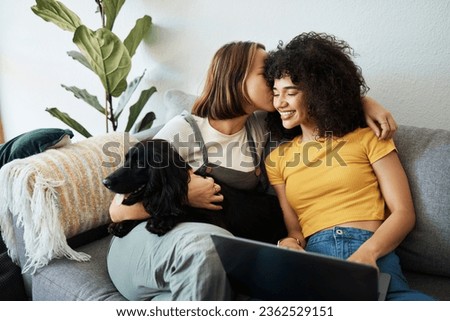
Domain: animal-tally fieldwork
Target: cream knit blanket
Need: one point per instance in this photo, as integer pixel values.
(58, 194)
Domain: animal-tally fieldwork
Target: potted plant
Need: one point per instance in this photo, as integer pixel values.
(103, 52)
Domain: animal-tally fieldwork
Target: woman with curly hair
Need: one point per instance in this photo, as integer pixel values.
(335, 178)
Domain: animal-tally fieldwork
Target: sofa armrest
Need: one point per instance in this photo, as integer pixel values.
(425, 155)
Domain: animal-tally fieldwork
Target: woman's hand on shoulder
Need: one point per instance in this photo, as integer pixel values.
(379, 119)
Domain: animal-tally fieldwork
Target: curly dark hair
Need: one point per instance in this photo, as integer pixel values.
(332, 84)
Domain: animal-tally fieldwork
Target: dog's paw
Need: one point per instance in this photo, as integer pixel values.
(123, 228)
(116, 229)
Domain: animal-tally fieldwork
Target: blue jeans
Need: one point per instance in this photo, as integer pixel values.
(341, 242)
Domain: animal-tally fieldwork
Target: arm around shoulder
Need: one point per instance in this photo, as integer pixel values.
(378, 118)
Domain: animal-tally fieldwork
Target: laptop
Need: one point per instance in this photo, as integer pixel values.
(264, 271)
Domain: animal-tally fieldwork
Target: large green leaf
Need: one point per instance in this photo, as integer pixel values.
(58, 13)
(85, 96)
(66, 119)
(78, 56)
(107, 56)
(136, 109)
(112, 8)
(125, 97)
(140, 30)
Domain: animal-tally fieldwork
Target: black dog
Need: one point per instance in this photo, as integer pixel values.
(156, 175)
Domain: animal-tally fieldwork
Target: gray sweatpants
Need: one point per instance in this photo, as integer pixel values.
(181, 265)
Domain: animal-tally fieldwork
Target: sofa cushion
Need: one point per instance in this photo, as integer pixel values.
(433, 285)
(33, 142)
(66, 280)
(425, 155)
(175, 102)
(58, 194)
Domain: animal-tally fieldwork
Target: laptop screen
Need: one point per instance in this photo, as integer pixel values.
(267, 272)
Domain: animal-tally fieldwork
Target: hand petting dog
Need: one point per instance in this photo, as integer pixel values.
(203, 192)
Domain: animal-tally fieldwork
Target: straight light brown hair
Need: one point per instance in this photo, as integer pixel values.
(224, 93)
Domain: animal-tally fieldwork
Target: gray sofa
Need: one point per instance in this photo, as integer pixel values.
(425, 253)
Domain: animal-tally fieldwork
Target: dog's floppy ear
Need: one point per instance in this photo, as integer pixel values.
(166, 192)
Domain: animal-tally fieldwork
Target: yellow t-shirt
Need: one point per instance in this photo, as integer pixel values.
(331, 182)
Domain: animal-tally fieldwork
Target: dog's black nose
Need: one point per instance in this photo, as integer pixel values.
(107, 182)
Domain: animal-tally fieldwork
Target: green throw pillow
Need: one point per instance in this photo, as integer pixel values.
(31, 143)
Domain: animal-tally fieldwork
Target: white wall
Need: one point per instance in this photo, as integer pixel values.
(403, 47)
